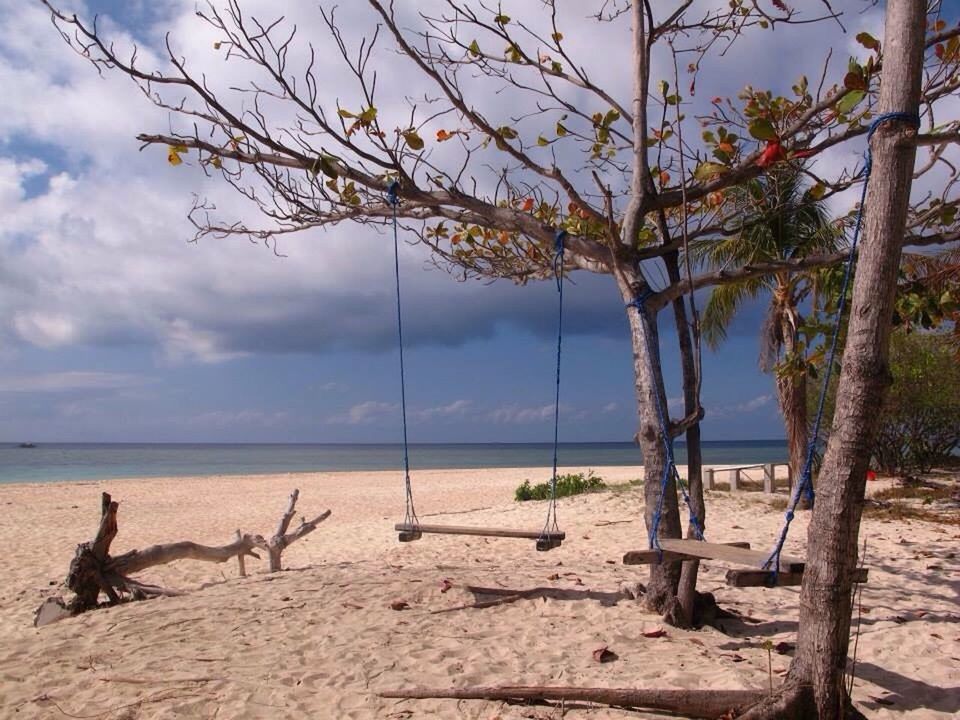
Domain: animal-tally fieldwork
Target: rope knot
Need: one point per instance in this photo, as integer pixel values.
(641, 298)
(788, 516)
(392, 196)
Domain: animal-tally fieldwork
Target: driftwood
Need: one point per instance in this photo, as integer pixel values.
(282, 539)
(93, 570)
(710, 704)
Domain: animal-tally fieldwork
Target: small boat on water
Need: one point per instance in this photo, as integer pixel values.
(27, 445)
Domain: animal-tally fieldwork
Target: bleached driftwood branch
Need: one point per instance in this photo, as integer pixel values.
(282, 539)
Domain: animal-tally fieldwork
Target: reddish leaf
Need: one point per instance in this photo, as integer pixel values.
(783, 647)
(773, 153)
(734, 657)
(935, 635)
(883, 701)
(781, 5)
(604, 655)
(555, 576)
(798, 154)
(399, 605)
(658, 632)
(445, 585)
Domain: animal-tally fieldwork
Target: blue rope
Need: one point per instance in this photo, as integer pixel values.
(670, 468)
(551, 521)
(804, 484)
(410, 516)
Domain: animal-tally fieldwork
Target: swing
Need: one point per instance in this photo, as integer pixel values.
(550, 536)
(774, 568)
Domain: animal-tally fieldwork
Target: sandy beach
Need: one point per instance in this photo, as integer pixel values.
(320, 639)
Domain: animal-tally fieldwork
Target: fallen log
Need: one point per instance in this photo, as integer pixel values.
(710, 704)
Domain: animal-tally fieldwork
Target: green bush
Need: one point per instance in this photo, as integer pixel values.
(573, 484)
(920, 419)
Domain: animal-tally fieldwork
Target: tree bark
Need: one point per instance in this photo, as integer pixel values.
(687, 588)
(686, 703)
(792, 395)
(661, 593)
(825, 597)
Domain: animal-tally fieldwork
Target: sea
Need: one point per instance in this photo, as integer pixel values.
(59, 462)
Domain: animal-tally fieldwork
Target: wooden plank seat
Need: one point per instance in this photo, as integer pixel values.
(409, 532)
(764, 578)
(734, 553)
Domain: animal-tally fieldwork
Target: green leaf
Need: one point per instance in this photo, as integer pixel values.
(542, 141)
(507, 132)
(762, 129)
(345, 113)
(707, 170)
(611, 117)
(326, 165)
(502, 19)
(557, 37)
(850, 101)
(414, 141)
(368, 115)
(817, 191)
(561, 130)
(663, 86)
(868, 41)
(474, 49)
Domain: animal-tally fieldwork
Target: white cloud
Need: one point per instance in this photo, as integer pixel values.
(458, 408)
(217, 419)
(68, 381)
(609, 408)
(515, 414)
(741, 408)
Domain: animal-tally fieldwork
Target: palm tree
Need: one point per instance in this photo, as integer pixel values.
(775, 218)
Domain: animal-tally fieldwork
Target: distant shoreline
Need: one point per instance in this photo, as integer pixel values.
(93, 461)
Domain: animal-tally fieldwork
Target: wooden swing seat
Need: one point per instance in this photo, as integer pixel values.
(409, 532)
(675, 549)
(737, 553)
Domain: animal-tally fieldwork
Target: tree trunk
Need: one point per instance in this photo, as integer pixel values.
(687, 589)
(792, 395)
(661, 593)
(825, 597)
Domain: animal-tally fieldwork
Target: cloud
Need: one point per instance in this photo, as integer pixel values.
(515, 414)
(458, 408)
(609, 408)
(70, 381)
(367, 412)
(219, 419)
(742, 408)
(94, 231)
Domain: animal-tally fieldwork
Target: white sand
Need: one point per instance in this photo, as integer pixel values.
(321, 639)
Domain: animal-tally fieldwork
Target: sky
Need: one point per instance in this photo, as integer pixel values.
(115, 328)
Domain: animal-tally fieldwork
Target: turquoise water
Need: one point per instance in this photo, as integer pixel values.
(69, 461)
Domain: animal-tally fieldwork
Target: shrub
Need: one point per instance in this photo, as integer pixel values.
(572, 484)
(920, 420)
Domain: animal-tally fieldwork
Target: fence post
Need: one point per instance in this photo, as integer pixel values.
(734, 479)
(708, 478)
(769, 477)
